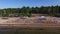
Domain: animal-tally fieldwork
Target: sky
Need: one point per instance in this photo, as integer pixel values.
(31, 3)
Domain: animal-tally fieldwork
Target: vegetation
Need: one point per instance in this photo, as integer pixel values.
(28, 11)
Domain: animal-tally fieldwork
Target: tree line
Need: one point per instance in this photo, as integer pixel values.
(28, 11)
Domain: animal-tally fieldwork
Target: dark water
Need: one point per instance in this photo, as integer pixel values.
(20, 30)
(7, 30)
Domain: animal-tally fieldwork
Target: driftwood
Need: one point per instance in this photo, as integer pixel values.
(47, 20)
